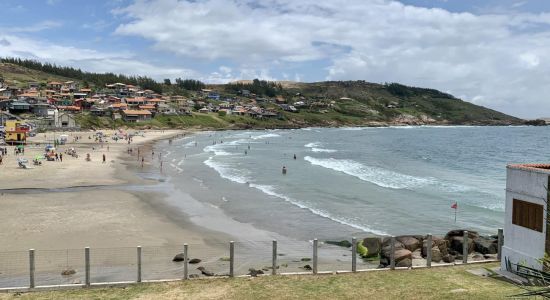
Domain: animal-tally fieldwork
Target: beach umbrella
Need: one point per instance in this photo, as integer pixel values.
(20, 146)
(39, 157)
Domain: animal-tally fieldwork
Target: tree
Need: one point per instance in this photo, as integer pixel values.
(167, 81)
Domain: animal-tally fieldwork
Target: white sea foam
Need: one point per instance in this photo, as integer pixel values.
(323, 150)
(313, 145)
(176, 168)
(353, 128)
(217, 150)
(379, 176)
(270, 190)
(225, 171)
(265, 136)
(190, 144)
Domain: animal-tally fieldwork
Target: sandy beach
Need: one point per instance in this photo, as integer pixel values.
(77, 203)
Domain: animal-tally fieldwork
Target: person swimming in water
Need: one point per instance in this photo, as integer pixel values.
(284, 170)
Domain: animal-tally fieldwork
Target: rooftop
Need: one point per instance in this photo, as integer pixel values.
(540, 167)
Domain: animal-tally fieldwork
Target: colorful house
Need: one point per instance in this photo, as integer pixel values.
(16, 132)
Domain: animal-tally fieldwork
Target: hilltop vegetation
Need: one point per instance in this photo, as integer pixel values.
(331, 103)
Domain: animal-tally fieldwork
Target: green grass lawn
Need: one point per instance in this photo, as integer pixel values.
(436, 283)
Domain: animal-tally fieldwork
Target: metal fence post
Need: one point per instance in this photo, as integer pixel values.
(429, 251)
(392, 253)
(315, 245)
(500, 243)
(274, 259)
(31, 268)
(354, 254)
(138, 263)
(87, 265)
(231, 259)
(465, 247)
(185, 261)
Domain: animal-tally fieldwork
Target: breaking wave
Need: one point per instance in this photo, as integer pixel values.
(381, 177)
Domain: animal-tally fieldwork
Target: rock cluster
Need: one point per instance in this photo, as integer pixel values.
(448, 249)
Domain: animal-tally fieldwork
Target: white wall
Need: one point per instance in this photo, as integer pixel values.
(523, 245)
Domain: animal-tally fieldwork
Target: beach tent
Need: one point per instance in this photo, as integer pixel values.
(49, 148)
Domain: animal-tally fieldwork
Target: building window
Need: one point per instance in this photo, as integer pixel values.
(527, 214)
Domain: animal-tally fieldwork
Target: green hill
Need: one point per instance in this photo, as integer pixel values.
(399, 103)
(330, 103)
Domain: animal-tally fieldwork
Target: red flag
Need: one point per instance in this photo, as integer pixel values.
(455, 205)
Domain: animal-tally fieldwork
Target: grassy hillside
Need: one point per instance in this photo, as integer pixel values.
(388, 102)
(20, 76)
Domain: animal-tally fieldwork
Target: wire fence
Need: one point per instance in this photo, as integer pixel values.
(35, 268)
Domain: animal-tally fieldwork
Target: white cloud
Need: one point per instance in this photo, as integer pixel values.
(497, 59)
(44, 25)
(87, 59)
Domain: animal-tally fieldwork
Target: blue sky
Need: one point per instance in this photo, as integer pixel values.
(493, 52)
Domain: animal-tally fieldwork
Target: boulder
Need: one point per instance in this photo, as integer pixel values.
(417, 254)
(406, 262)
(402, 254)
(448, 258)
(460, 232)
(205, 272)
(456, 243)
(373, 245)
(485, 245)
(192, 276)
(307, 267)
(410, 243)
(436, 254)
(386, 243)
(439, 243)
(386, 247)
(253, 272)
(178, 257)
(194, 261)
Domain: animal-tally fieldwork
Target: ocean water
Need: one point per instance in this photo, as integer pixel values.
(394, 180)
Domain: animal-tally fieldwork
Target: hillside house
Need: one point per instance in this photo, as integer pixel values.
(5, 92)
(70, 86)
(54, 85)
(136, 102)
(65, 120)
(526, 235)
(19, 107)
(136, 115)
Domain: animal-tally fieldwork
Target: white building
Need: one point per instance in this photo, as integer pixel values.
(525, 240)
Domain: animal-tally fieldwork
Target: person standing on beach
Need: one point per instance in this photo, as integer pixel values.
(103, 158)
(142, 161)
(61, 157)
